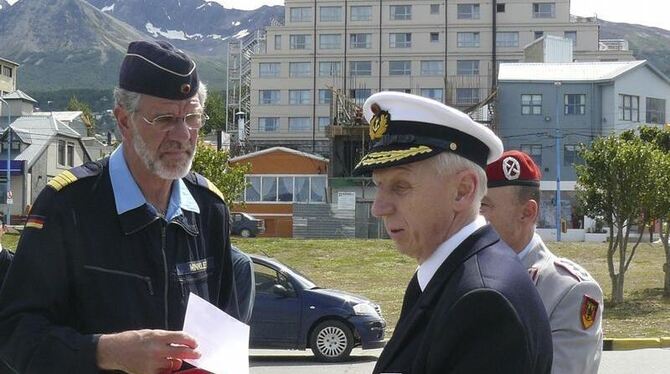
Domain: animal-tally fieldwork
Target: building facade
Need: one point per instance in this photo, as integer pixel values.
(8, 75)
(545, 107)
(448, 51)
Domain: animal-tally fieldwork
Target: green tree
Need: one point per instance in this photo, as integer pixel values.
(87, 115)
(660, 208)
(215, 108)
(214, 166)
(616, 184)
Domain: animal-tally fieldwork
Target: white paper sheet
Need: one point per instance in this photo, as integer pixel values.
(222, 340)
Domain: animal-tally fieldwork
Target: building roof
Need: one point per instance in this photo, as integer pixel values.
(278, 149)
(19, 95)
(8, 61)
(38, 132)
(570, 72)
(63, 116)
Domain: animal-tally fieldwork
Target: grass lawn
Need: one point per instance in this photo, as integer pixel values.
(373, 268)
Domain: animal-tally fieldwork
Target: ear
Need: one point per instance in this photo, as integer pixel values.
(123, 121)
(466, 187)
(530, 211)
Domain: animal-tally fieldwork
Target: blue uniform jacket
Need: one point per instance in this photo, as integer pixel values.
(480, 313)
(81, 270)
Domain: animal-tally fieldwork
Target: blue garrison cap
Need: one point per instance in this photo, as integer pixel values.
(158, 69)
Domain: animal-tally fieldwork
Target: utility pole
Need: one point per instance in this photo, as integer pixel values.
(557, 86)
(9, 158)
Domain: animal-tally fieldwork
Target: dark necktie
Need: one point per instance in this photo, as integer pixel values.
(411, 296)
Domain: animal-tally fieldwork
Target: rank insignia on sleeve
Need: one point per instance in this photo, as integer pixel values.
(589, 311)
(35, 222)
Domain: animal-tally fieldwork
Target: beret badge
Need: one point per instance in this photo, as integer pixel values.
(185, 88)
(379, 122)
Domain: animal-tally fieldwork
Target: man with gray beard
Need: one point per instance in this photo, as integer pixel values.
(112, 249)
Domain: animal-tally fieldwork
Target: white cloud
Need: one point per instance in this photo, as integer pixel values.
(247, 4)
(644, 12)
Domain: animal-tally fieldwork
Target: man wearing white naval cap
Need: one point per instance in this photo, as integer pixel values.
(470, 307)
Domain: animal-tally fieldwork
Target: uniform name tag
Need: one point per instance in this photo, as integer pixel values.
(191, 267)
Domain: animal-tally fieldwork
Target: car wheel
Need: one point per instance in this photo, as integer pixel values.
(245, 233)
(331, 341)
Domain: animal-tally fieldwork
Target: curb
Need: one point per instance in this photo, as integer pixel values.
(635, 343)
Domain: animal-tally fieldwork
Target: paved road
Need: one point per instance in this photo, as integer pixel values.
(643, 361)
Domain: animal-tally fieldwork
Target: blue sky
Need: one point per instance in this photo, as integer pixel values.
(645, 12)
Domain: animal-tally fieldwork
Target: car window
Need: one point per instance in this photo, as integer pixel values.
(267, 277)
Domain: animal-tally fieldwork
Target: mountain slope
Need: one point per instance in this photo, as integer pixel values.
(648, 43)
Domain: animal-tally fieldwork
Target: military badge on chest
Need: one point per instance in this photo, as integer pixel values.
(589, 311)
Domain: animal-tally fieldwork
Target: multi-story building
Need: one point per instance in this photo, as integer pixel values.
(445, 50)
(8, 72)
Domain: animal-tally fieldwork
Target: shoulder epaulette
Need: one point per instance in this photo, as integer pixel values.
(67, 177)
(201, 181)
(573, 269)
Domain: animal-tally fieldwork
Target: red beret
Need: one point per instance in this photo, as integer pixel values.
(513, 168)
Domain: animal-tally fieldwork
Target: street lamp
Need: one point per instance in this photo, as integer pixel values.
(9, 147)
(557, 86)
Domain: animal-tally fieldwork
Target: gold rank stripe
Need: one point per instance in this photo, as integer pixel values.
(214, 189)
(390, 156)
(62, 180)
(35, 225)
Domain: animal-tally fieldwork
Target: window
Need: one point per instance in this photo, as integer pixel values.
(467, 96)
(361, 13)
(655, 111)
(268, 124)
(299, 69)
(359, 95)
(433, 93)
(531, 104)
(301, 14)
(432, 68)
(7, 71)
(434, 8)
(325, 96)
(65, 153)
(404, 90)
(401, 12)
(400, 40)
(277, 42)
(360, 41)
(317, 190)
(400, 67)
(330, 13)
(330, 69)
(434, 37)
(467, 67)
(544, 10)
(323, 123)
(268, 69)
(575, 104)
(507, 39)
(534, 151)
(253, 190)
(269, 188)
(629, 107)
(572, 35)
(467, 39)
(61, 152)
(286, 188)
(298, 97)
(467, 11)
(538, 35)
(299, 124)
(301, 194)
(329, 41)
(571, 155)
(360, 68)
(70, 154)
(500, 8)
(302, 41)
(268, 97)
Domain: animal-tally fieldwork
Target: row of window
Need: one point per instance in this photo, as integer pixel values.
(356, 13)
(362, 68)
(504, 39)
(7, 71)
(359, 95)
(404, 12)
(286, 188)
(575, 104)
(570, 153)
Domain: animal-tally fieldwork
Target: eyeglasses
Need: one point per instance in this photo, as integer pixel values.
(166, 122)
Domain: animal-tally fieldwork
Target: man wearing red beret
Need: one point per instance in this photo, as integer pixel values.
(572, 298)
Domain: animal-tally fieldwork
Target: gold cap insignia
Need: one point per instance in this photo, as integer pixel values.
(379, 123)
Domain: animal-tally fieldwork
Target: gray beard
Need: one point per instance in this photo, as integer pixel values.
(155, 164)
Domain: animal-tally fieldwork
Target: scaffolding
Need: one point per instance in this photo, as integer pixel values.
(238, 84)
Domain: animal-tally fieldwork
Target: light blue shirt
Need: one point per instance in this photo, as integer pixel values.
(529, 247)
(128, 196)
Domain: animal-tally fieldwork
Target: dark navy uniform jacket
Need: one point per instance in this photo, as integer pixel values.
(81, 269)
(5, 261)
(480, 313)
